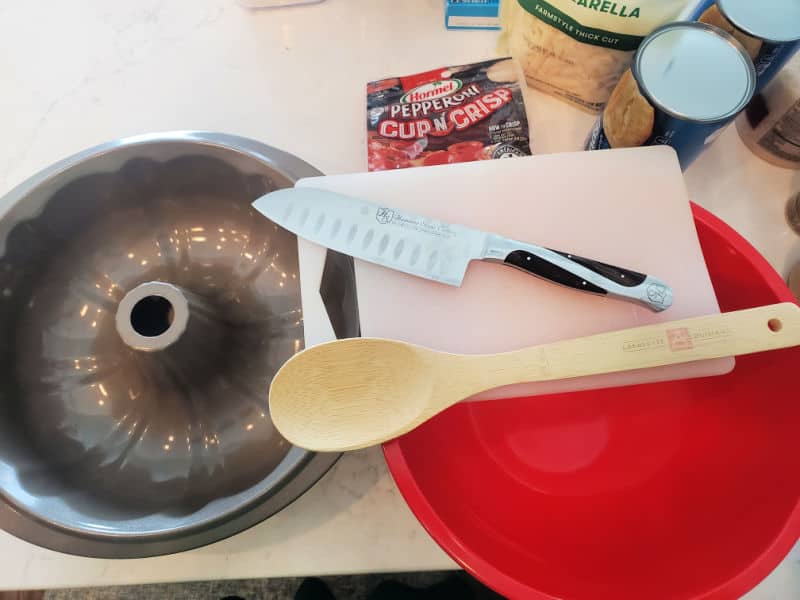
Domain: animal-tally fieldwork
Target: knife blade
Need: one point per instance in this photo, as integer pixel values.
(441, 251)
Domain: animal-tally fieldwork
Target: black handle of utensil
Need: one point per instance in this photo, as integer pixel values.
(584, 274)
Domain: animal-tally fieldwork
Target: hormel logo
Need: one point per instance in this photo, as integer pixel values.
(430, 91)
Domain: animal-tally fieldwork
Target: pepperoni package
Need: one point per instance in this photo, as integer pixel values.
(448, 115)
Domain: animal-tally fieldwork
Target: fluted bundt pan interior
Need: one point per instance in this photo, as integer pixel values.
(144, 308)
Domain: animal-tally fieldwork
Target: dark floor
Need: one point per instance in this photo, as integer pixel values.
(355, 587)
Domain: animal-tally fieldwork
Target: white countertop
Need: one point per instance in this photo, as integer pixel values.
(79, 72)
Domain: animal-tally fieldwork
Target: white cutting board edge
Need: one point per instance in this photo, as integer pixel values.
(318, 329)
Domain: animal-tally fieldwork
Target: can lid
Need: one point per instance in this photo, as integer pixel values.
(771, 20)
(695, 72)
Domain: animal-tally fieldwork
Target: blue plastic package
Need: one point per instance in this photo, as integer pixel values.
(472, 14)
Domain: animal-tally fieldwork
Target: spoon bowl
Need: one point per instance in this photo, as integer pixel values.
(326, 391)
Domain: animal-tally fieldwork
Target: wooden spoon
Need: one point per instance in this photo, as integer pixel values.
(354, 393)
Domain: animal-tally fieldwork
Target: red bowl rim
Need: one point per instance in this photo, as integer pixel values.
(496, 579)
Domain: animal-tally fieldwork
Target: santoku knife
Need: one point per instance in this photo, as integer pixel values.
(442, 251)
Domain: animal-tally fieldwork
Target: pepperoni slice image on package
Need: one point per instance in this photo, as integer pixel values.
(447, 115)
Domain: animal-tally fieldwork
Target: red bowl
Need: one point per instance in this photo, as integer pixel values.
(687, 489)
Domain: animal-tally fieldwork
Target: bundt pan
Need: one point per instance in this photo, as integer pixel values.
(144, 308)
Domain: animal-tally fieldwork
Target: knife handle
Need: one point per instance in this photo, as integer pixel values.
(581, 273)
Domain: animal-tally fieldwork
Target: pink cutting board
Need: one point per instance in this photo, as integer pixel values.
(625, 207)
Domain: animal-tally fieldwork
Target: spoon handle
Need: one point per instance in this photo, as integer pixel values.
(715, 336)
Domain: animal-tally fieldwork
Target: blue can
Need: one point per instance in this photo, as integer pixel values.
(687, 81)
(768, 29)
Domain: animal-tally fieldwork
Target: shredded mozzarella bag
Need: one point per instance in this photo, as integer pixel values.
(578, 49)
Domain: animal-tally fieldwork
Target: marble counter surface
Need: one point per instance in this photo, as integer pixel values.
(80, 72)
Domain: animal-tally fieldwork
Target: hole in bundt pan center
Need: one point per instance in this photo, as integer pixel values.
(152, 316)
